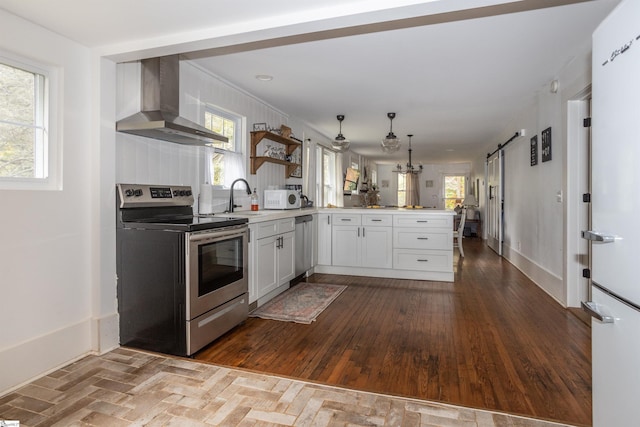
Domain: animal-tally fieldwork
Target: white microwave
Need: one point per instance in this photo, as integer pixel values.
(281, 199)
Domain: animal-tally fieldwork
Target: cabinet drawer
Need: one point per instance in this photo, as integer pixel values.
(286, 225)
(271, 228)
(346, 219)
(423, 221)
(377, 220)
(265, 229)
(427, 260)
(412, 238)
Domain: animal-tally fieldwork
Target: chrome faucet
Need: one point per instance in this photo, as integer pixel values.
(231, 205)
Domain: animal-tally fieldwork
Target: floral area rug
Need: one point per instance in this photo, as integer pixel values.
(301, 304)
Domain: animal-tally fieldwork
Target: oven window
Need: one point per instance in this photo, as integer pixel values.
(220, 263)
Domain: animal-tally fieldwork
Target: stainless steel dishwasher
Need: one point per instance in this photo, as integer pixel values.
(304, 240)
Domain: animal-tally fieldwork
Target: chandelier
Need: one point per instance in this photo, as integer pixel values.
(410, 168)
(340, 143)
(390, 143)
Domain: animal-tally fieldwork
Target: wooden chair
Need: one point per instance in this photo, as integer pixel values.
(458, 234)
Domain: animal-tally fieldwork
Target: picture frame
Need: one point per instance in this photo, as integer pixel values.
(259, 127)
(534, 150)
(546, 145)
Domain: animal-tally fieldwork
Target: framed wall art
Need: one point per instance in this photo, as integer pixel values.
(534, 150)
(546, 145)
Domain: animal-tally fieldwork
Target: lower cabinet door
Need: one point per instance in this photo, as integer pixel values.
(266, 273)
(346, 245)
(286, 258)
(377, 247)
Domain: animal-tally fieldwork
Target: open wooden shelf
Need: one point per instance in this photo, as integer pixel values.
(257, 161)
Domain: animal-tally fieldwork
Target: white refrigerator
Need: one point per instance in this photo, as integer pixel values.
(615, 299)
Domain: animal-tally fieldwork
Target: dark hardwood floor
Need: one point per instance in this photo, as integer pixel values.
(492, 340)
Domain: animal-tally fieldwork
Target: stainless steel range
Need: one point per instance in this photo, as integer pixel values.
(182, 279)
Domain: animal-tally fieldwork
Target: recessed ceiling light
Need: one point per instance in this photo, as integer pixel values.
(264, 77)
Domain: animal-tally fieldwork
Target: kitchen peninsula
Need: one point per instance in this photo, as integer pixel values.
(386, 242)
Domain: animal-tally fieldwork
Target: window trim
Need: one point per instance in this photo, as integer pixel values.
(465, 178)
(238, 140)
(51, 111)
(320, 185)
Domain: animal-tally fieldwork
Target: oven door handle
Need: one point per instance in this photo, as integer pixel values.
(213, 235)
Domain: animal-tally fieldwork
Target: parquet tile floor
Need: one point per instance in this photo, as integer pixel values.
(132, 388)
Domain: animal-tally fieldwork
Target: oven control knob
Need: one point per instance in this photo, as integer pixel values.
(188, 192)
(137, 192)
(128, 192)
(175, 193)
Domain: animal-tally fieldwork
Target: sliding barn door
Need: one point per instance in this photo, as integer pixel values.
(494, 203)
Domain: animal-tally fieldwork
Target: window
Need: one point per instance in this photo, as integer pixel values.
(326, 186)
(225, 162)
(454, 190)
(402, 189)
(25, 152)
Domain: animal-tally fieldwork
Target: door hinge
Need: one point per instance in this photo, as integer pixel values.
(586, 273)
(586, 198)
(586, 122)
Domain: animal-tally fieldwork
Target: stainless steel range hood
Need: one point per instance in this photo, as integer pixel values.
(160, 99)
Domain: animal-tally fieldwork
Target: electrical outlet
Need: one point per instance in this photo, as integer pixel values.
(522, 132)
(559, 196)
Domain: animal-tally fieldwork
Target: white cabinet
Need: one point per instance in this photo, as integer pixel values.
(386, 243)
(323, 221)
(362, 241)
(423, 243)
(272, 256)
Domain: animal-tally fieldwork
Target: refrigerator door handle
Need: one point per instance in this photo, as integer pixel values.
(596, 311)
(596, 236)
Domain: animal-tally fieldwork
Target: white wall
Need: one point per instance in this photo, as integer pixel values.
(45, 237)
(431, 197)
(535, 216)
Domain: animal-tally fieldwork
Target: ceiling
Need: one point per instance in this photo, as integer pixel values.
(456, 72)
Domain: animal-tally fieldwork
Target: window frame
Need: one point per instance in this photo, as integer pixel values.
(326, 187)
(465, 179)
(48, 112)
(401, 190)
(212, 151)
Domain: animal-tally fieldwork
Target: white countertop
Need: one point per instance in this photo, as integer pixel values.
(270, 215)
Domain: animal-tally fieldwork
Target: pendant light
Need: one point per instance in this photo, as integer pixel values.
(340, 143)
(410, 168)
(390, 143)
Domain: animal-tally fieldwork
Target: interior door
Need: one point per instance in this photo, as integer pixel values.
(615, 301)
(493, 224)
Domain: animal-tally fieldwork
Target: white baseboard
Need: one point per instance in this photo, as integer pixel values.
(545, 280)
(32, 359)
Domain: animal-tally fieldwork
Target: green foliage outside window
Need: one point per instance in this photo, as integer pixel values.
(21, 131)
(454, 190)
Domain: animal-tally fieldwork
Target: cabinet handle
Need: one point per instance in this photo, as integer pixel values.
(423, 238)
(362, 231)
(376, 220)
(422, 260)
(328, 219)
(345, 219)
(358, 231)
(281, 242)
(421, 220)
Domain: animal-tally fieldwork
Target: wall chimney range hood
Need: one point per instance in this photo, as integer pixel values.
(160, 102)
